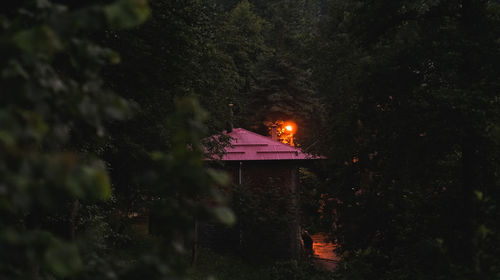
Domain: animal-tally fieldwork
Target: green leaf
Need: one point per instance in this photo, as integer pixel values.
(368, 251)
(41, 40)
(103, 185)
(114, 57)
(483, 231)
(62, 259)
(220, 178)
(479, 195)
(127, 13)
(100, 185)
(7, 139)
(224, 215)
(157, 156)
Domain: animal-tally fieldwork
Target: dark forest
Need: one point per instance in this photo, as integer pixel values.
(118, 117)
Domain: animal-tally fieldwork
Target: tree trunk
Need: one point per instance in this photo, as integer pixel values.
(73, 222)
(469, 180)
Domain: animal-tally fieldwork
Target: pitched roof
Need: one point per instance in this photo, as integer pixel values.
(247, 145)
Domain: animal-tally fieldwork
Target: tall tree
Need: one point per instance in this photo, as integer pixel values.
(412, 96)
(171, 56)
(282, 88)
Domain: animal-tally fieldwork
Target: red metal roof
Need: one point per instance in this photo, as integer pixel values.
(247, 145)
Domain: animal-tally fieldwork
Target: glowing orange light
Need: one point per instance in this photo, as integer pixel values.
(289, 128)
(285, 131)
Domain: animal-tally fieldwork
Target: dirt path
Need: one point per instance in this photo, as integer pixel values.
(324, 256)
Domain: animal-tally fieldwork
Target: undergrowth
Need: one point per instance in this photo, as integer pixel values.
(217, 266)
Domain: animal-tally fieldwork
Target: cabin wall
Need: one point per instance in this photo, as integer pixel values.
(258, 177)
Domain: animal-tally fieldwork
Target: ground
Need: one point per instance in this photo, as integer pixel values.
(324, 255)
(212, 265)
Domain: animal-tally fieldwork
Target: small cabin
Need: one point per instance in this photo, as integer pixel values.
(259, 163)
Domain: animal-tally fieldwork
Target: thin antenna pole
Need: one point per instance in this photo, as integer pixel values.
(231, 115)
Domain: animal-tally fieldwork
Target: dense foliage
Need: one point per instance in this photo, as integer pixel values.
(105, 104)
(412, 91)
(57, 119)
(228, 267)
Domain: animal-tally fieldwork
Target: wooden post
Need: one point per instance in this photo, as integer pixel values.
(194, 257)
(295, 235)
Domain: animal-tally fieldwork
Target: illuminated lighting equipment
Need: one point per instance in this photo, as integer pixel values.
(283, 131)
(288, 130)
(289, 127)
